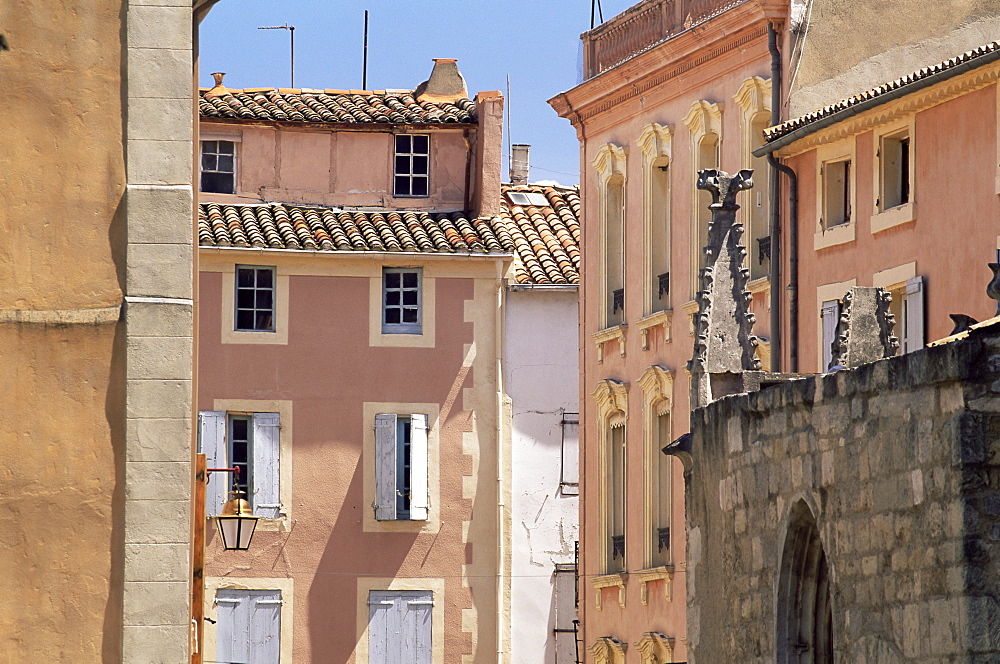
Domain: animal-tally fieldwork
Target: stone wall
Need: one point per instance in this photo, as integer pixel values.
(899, 463)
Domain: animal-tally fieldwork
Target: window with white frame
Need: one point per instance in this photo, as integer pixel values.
(248, 627)
(617, 498)
(614, 214)
(758, 233)
(894, 169)
(250, 442)
(218, 167)
(829, 317)
(399, 626)
(661, 517)
(659, 261)
(836, 193)
(401, 490)
(401, 300)
(907, 306)
(254, 298)
(707, 158)
(411, 172)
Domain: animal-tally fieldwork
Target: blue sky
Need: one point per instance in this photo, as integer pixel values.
(535, 42)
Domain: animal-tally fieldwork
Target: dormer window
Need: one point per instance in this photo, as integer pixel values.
(412, 165)
(218, 167)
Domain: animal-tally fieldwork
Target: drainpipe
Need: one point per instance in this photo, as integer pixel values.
(775, 229)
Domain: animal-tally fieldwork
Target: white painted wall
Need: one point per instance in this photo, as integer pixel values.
(541, 375)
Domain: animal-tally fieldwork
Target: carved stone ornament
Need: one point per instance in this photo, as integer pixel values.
(864, 331)
(611, 397)
(724, 342)
(993, 288)
(655, 648)
(657, 385)
(608, 650)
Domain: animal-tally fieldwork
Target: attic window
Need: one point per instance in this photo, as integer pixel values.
(528, 198)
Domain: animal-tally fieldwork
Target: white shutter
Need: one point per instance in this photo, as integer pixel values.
(266, 501)
(232, 630)
(399, 626)
(212, 443)
(385, 467)
(418, 468)
(913, 313)
(829, 314)
(265, 627)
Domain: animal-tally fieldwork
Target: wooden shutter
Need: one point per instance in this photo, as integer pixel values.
(419, 502)
(212, 443)
(265, 627)
(399, 626)
(829, 315)
(232, 630)
(266, 500)
(913, 313)
(385, 467)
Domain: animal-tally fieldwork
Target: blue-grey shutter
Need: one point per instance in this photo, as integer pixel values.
(266, 499)
(829, 315)
(212, 443)
(399, 626)
(385, 467)
(914, 314)
(232, 629)
(419, 501)
(265, 627)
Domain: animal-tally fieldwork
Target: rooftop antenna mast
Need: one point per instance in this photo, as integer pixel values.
(364, 66)
(597, 4)
(291, 32)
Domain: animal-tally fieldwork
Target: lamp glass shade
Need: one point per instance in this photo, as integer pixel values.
(236, 531)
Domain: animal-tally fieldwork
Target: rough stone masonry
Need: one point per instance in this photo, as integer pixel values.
(898, 463)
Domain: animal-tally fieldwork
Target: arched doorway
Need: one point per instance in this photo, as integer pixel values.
(804, 616)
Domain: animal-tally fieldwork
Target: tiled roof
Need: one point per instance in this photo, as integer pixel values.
(544, 239)
(884, 92)
(331, 106)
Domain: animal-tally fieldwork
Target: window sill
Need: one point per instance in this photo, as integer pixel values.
(690, 308)
(647, 323)
(894, 216)
(618, 579)
(278, 524)
(663, 573)
(614, 333)
(759, 285)
(830, 237)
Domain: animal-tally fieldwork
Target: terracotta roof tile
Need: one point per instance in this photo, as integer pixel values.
(986, 52)
(545, 239)
(331, 106)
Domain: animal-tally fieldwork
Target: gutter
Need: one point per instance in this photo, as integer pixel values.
(517, 288)
(873, 102)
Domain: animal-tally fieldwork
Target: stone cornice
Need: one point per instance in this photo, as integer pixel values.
(896, 109)
(657, 385)
(611, 397)
(616, 580)
(655, 142)
(609, 161)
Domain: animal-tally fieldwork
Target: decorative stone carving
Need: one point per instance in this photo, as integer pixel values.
(608, 650)
(993, 288)
(962, 323)
(723, 341)
(864, 331)
(657, 385)
(611, 397)
(655, 648)
(616, 580)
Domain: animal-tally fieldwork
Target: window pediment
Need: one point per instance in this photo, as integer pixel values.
(611, 397)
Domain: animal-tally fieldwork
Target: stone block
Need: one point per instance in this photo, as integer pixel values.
(157, 562)
(156, 603)
(944, 630)
(160, 270)
(159, 644)
(158, 399)
(160, 120)
(951, 398)
(157, 521)
(160, 214)
(159, 319)
(159, 162)
(159, 27)
(169, 358)
(159, 439)
(152, 480)
(161, 73)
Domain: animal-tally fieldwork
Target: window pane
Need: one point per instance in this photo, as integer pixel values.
(244, 299)
(402, 165)
(225, 164)
(402, 187)
(240, 429)
(410, 297)
(208, 162)
(244, 320)
(392, 279)
(244, 277)
(419, 187)
(409, 280)
(409, 315)
(264, 279)
(402, 143)
(210, 146)
(227, 147)
(263, 299)
(392, 298)
(264, 321)
(420, 165)
(392, 315)
(420, 144)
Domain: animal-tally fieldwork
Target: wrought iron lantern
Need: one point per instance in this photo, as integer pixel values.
(237, 523)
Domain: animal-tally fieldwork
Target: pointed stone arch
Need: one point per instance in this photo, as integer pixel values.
(804, 606)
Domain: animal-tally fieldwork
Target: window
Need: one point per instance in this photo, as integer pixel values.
(614, 214)
(412, 165)
(661, 516)
(218, 167)
(401, 492)
(401, 300)
(829, 316)
(399, 626)
(836, 193)
(249, 626)
(569, 473)
(254, 298)
(659, 203)
(894, 163)
(908, 308)
(758, 233)
(250, 442)
(708, 157)
(616, 508)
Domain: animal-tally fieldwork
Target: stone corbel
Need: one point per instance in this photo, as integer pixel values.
(609, 581)
(690, 308)
(664, 573)
(615, 333)
(646, 324)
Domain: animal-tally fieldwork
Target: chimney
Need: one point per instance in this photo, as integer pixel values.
(219, 88)
(445, 84)
(519, 164)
